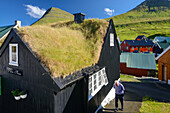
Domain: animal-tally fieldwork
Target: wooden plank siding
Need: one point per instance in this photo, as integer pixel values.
(164, 60)
(35, 80)
(124, 46)
(132, 71)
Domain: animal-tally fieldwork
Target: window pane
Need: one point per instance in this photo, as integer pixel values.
(13, 49)
(100, 82)
(95, 82)
(95, 76)
(103, 71)
(95, 87)
(14, 57)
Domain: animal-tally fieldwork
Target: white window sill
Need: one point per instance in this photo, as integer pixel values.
(13, 64)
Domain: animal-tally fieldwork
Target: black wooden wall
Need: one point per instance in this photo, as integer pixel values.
(109, 58)
(35, 80)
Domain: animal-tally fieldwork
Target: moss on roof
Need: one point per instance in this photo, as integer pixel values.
(66, 47)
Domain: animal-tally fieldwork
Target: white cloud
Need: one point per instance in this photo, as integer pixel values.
(34, 11)
(109, 11)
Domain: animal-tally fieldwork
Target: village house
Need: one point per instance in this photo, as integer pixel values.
(82, 91)
(137, 64)
(4, 30)
(140, 44)
(161, 39)
(164, 65)
(160, 44)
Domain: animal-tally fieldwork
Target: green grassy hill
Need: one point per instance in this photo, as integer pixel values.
(150, 18)
(149, 10)
(54, 15)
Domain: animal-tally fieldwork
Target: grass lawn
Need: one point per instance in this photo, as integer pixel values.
(151, 106)
(128, 78)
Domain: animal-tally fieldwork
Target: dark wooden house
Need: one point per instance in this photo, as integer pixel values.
(80, 92)
(164, 65)
(79, 17)
(160, 44)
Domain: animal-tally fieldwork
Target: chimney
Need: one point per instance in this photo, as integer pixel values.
(79, 17)
(18, 23)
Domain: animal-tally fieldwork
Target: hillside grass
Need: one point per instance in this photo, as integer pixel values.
(54, 15)
(68, 48)
(128, 78)
(152, 106)
(149, 29)
(151, 18)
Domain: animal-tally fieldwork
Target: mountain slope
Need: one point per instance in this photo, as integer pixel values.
(149, 10)
(53, 15)
(151, 18)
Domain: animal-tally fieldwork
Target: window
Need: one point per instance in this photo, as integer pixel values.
(124, 42)
(127, 47)
(104, 76)
(96, 82)
(13, 54)
(90, 85)
(111, 39)
(132, 48)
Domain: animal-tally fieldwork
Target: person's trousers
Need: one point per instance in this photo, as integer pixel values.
(120, 97)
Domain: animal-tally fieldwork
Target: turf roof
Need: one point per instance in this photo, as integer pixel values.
(66, 47)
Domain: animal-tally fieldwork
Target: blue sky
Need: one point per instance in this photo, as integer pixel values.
(28, 11)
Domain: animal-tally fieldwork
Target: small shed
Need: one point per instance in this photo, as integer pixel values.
(164, 65)
(79, 17)
(138, 64)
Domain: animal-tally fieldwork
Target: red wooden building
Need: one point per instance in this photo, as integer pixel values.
(164, 65)
(137, 64)
(140, 44)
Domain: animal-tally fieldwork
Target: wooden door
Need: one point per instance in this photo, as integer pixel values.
(163, 73)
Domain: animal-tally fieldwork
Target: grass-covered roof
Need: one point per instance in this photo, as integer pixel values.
(65, 47)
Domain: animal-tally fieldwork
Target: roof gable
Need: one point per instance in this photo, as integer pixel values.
(166, 50)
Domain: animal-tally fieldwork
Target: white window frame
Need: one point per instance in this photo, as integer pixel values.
(111, 39)
(104, 81)
(14, 63)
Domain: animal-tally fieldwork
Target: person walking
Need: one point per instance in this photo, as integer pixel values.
(119, 90)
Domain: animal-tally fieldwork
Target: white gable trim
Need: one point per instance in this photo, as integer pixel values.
(163, 53)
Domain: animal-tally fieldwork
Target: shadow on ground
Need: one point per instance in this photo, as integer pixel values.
(134, 93)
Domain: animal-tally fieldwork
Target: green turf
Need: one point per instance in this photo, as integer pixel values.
(128, 78)
(151, 106)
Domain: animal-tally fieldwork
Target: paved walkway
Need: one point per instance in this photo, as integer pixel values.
(134, 93)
